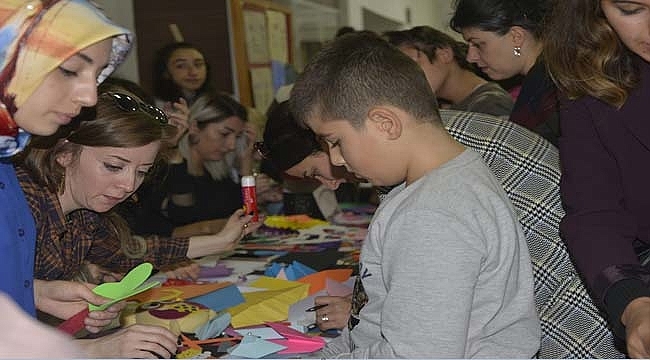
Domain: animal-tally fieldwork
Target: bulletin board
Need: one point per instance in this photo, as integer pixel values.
(262, 49)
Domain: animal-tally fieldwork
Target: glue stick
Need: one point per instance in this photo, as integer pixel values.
(249, 196)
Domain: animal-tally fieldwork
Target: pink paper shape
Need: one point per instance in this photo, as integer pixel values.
(295, 341)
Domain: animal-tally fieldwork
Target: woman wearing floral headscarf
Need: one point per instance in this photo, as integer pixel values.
(54, 52)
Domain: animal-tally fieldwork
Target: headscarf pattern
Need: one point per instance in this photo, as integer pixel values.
(36, 36)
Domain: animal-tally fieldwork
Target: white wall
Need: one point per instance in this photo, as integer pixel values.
(121, 12)
(435, 13)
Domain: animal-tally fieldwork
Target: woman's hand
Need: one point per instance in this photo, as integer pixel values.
(137, 341)
(64, 299)
(267, 190)
(636, 319)
(238, 226)
(246, 155)
(178, 114)
(336, 314)
(186, 271)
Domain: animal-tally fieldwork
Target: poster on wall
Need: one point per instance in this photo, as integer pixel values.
(277, 36)
(262, 86)
(257, 44)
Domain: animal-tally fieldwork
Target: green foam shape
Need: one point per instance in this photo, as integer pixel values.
(131, 284)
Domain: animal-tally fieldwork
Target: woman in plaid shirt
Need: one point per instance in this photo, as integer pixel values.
(90, 166)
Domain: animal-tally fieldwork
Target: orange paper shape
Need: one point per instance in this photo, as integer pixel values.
(317, 281)
(178, 292)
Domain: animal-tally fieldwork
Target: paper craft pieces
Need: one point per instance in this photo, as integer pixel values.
(294, 222)
(217, 270)
(179, 292)
(214, 327)
(131, 284)
(269, 304)
(220, 299)
(317, 281)
(177, 316)
(295, 341)
(292, 272)
(254, 348)
(266, 333)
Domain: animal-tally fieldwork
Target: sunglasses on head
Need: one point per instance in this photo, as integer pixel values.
(262, 149)
(127, 103)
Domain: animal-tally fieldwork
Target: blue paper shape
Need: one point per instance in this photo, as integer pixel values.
(220, 299)
(293, 271)
(273, 269)
(301, 269)
(265, 333)
(214, 327)
(254, 348)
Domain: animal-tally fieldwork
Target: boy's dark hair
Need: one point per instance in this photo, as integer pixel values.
(500, 15)
(286, 143)
(344, 30)
(163, 86)
(356, 72)
(427, 40)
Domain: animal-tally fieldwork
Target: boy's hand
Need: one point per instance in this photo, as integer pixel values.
(336, 313)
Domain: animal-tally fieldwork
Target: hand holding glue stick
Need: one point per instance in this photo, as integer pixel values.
(249, 196)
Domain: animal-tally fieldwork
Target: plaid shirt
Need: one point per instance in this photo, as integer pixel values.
(529, 169)
(64, 243)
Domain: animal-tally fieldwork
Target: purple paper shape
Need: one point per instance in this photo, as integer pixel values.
(218, 270)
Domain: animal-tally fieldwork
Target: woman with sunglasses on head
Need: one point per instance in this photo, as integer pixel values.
(505, 40)
(451, 77)
(47, 74)
(603, 71)
(71, 184)
(204, 183)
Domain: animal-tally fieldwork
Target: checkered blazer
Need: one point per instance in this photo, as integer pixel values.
(529, 169)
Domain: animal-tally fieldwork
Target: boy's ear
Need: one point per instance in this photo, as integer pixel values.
(386, 121)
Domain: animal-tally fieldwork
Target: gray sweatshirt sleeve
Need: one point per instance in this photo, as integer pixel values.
(445, 285)
(430, 270)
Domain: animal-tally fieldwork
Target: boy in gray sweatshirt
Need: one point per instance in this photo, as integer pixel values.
(444, 271)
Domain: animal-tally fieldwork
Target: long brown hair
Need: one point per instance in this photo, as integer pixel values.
(585, 56)
(104, 125)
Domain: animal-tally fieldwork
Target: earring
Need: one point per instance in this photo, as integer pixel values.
(517, 51)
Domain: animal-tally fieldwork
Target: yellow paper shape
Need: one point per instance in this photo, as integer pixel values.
(268, 305)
